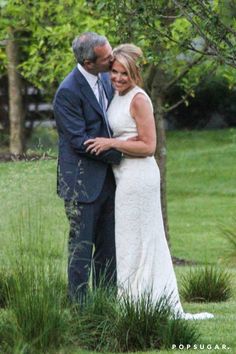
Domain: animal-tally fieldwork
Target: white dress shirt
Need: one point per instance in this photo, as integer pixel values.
(92, 81)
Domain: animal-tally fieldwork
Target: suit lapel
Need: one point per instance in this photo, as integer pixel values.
(87, 91)
(107, 88)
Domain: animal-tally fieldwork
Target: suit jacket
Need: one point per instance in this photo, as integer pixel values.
(79, 117)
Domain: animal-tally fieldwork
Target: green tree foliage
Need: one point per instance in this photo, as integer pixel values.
(44, 31)
(215, 23)
(35, 43)
(164, 33)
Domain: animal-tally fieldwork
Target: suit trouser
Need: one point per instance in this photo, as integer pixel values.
(92, 241)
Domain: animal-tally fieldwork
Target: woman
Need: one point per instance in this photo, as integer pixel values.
(144, 263)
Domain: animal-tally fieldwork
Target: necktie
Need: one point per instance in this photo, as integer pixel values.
(102, 102)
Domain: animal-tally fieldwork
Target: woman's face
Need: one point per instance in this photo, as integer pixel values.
(120, 79)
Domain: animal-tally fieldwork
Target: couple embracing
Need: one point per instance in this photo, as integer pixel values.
(108, 177)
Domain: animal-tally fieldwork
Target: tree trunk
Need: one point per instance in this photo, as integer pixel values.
(155, 83)
(161, 158)
(16, 111)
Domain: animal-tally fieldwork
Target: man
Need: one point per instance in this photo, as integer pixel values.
(86, 181)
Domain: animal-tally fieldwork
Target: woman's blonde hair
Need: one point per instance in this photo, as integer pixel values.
(128, 55)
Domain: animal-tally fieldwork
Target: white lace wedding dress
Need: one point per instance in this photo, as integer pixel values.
(143, 259)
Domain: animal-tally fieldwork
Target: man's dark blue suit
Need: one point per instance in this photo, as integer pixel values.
(86, 182)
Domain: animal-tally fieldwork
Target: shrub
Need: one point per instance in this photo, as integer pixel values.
(199, 111)
(207, 284)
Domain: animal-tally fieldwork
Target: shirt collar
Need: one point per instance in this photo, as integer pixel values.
(92, 79)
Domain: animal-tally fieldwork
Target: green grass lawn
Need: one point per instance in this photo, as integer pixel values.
(201, 174)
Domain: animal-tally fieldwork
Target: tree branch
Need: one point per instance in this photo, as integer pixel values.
(183, 73)
(188, 93)
(177, 104)
(208, 15)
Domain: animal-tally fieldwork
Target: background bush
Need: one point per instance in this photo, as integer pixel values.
(213, 106)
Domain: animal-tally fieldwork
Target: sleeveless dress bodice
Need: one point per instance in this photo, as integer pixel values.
(121, 122)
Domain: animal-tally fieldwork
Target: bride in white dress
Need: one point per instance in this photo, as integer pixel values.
(144, 262)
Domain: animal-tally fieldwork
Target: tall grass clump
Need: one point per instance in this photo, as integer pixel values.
(206, 284)
(10, 334)
(6, 280)
(92, 322)
(110, 324)
(145, 325)
(229, 234)
(36, 295)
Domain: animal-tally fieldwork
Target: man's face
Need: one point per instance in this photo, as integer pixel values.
(103, 62)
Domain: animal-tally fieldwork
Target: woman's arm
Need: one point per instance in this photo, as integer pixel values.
(144, 144)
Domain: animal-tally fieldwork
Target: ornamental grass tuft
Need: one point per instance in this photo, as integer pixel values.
(36, 292)
(206, 284)
(110, 324)
(10, 335)
(6, 280)
(229, 234)
(41, 319)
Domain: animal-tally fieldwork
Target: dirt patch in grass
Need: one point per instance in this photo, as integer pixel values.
(182, 262)
(8, 157)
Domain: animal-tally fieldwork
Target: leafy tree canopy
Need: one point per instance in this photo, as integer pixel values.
(44, 31)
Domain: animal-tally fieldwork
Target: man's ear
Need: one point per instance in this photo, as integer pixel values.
(88, 64)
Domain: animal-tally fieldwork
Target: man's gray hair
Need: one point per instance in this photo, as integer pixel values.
(83, 46)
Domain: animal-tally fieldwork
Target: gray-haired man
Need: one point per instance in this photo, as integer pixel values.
(85, 181)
